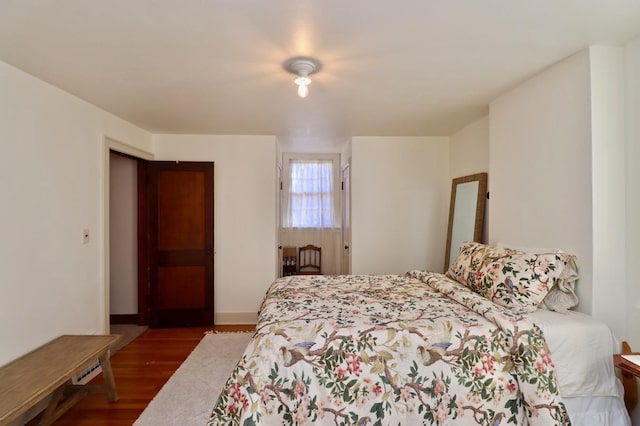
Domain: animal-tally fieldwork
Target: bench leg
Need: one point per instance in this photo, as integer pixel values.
(109, 381)
(49, 415)
(61, 403)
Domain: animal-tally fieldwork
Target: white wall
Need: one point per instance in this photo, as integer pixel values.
(52, 186)
(245, 215)
(399, 193)
(557, 167)
(632, 152)
(306, 144)
(469, 149)
(123, 235)
(632, 55)
(345, 153)
(540, 165)
(469, 154)
(608, 186)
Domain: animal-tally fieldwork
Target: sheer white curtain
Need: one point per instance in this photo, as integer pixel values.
(310, 207)
(310, 202)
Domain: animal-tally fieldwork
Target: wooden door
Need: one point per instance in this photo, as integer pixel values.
(346, 219)
(180, 243)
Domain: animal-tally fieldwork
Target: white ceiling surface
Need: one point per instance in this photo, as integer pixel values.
(410, 67)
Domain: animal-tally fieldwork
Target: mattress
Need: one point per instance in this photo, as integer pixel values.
(582, 350)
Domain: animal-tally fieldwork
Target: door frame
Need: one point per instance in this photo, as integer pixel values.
(111, 144)
(143, 243)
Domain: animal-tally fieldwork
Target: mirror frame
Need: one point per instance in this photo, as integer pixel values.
(481, 178)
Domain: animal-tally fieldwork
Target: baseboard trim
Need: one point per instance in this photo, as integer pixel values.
(235, 318)
(123, 319)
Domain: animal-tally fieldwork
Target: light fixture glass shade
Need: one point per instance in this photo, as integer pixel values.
(303, 91)
(303, 83)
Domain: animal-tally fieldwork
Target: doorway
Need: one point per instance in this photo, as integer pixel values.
(120, 241)
(135, 303)
(123, 239)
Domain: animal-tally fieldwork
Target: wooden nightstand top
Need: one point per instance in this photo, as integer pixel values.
(626, 365)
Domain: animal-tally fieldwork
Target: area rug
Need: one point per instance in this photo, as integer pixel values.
(189, 395)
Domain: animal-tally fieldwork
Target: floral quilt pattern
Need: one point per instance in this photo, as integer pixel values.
(389, 349)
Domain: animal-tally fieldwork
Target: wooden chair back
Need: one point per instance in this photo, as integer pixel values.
(310, 260)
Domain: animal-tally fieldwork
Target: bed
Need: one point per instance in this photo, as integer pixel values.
(424, 348)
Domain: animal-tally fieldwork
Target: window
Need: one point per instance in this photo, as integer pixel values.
(310, 198)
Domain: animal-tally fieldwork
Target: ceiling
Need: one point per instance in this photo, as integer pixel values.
(403, 68)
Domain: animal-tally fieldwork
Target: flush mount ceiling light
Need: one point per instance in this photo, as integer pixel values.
(303, 67)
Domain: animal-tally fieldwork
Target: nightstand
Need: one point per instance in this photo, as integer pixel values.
(629, 372)
(626, 366)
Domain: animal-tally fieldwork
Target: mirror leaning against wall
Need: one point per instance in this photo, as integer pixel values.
(466, 213)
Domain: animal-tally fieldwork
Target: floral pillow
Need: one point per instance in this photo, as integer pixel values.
(467, 262)
(513, 278)
(520, 280)
(562, 296)
(470, 260)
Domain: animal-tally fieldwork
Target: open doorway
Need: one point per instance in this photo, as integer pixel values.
(158, 240)
(124, 318)
(123, 239)
(134, 155)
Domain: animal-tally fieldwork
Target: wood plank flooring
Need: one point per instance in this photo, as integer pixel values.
(140, 370)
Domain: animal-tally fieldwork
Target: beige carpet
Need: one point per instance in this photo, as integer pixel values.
(188, 396)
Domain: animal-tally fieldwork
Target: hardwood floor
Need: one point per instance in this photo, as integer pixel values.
(140, 370)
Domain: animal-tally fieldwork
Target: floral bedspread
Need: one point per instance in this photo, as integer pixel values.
(394, 349)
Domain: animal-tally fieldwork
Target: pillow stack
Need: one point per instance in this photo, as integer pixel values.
(515, 279)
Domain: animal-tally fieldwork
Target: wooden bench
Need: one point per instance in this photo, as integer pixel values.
(50, 369)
